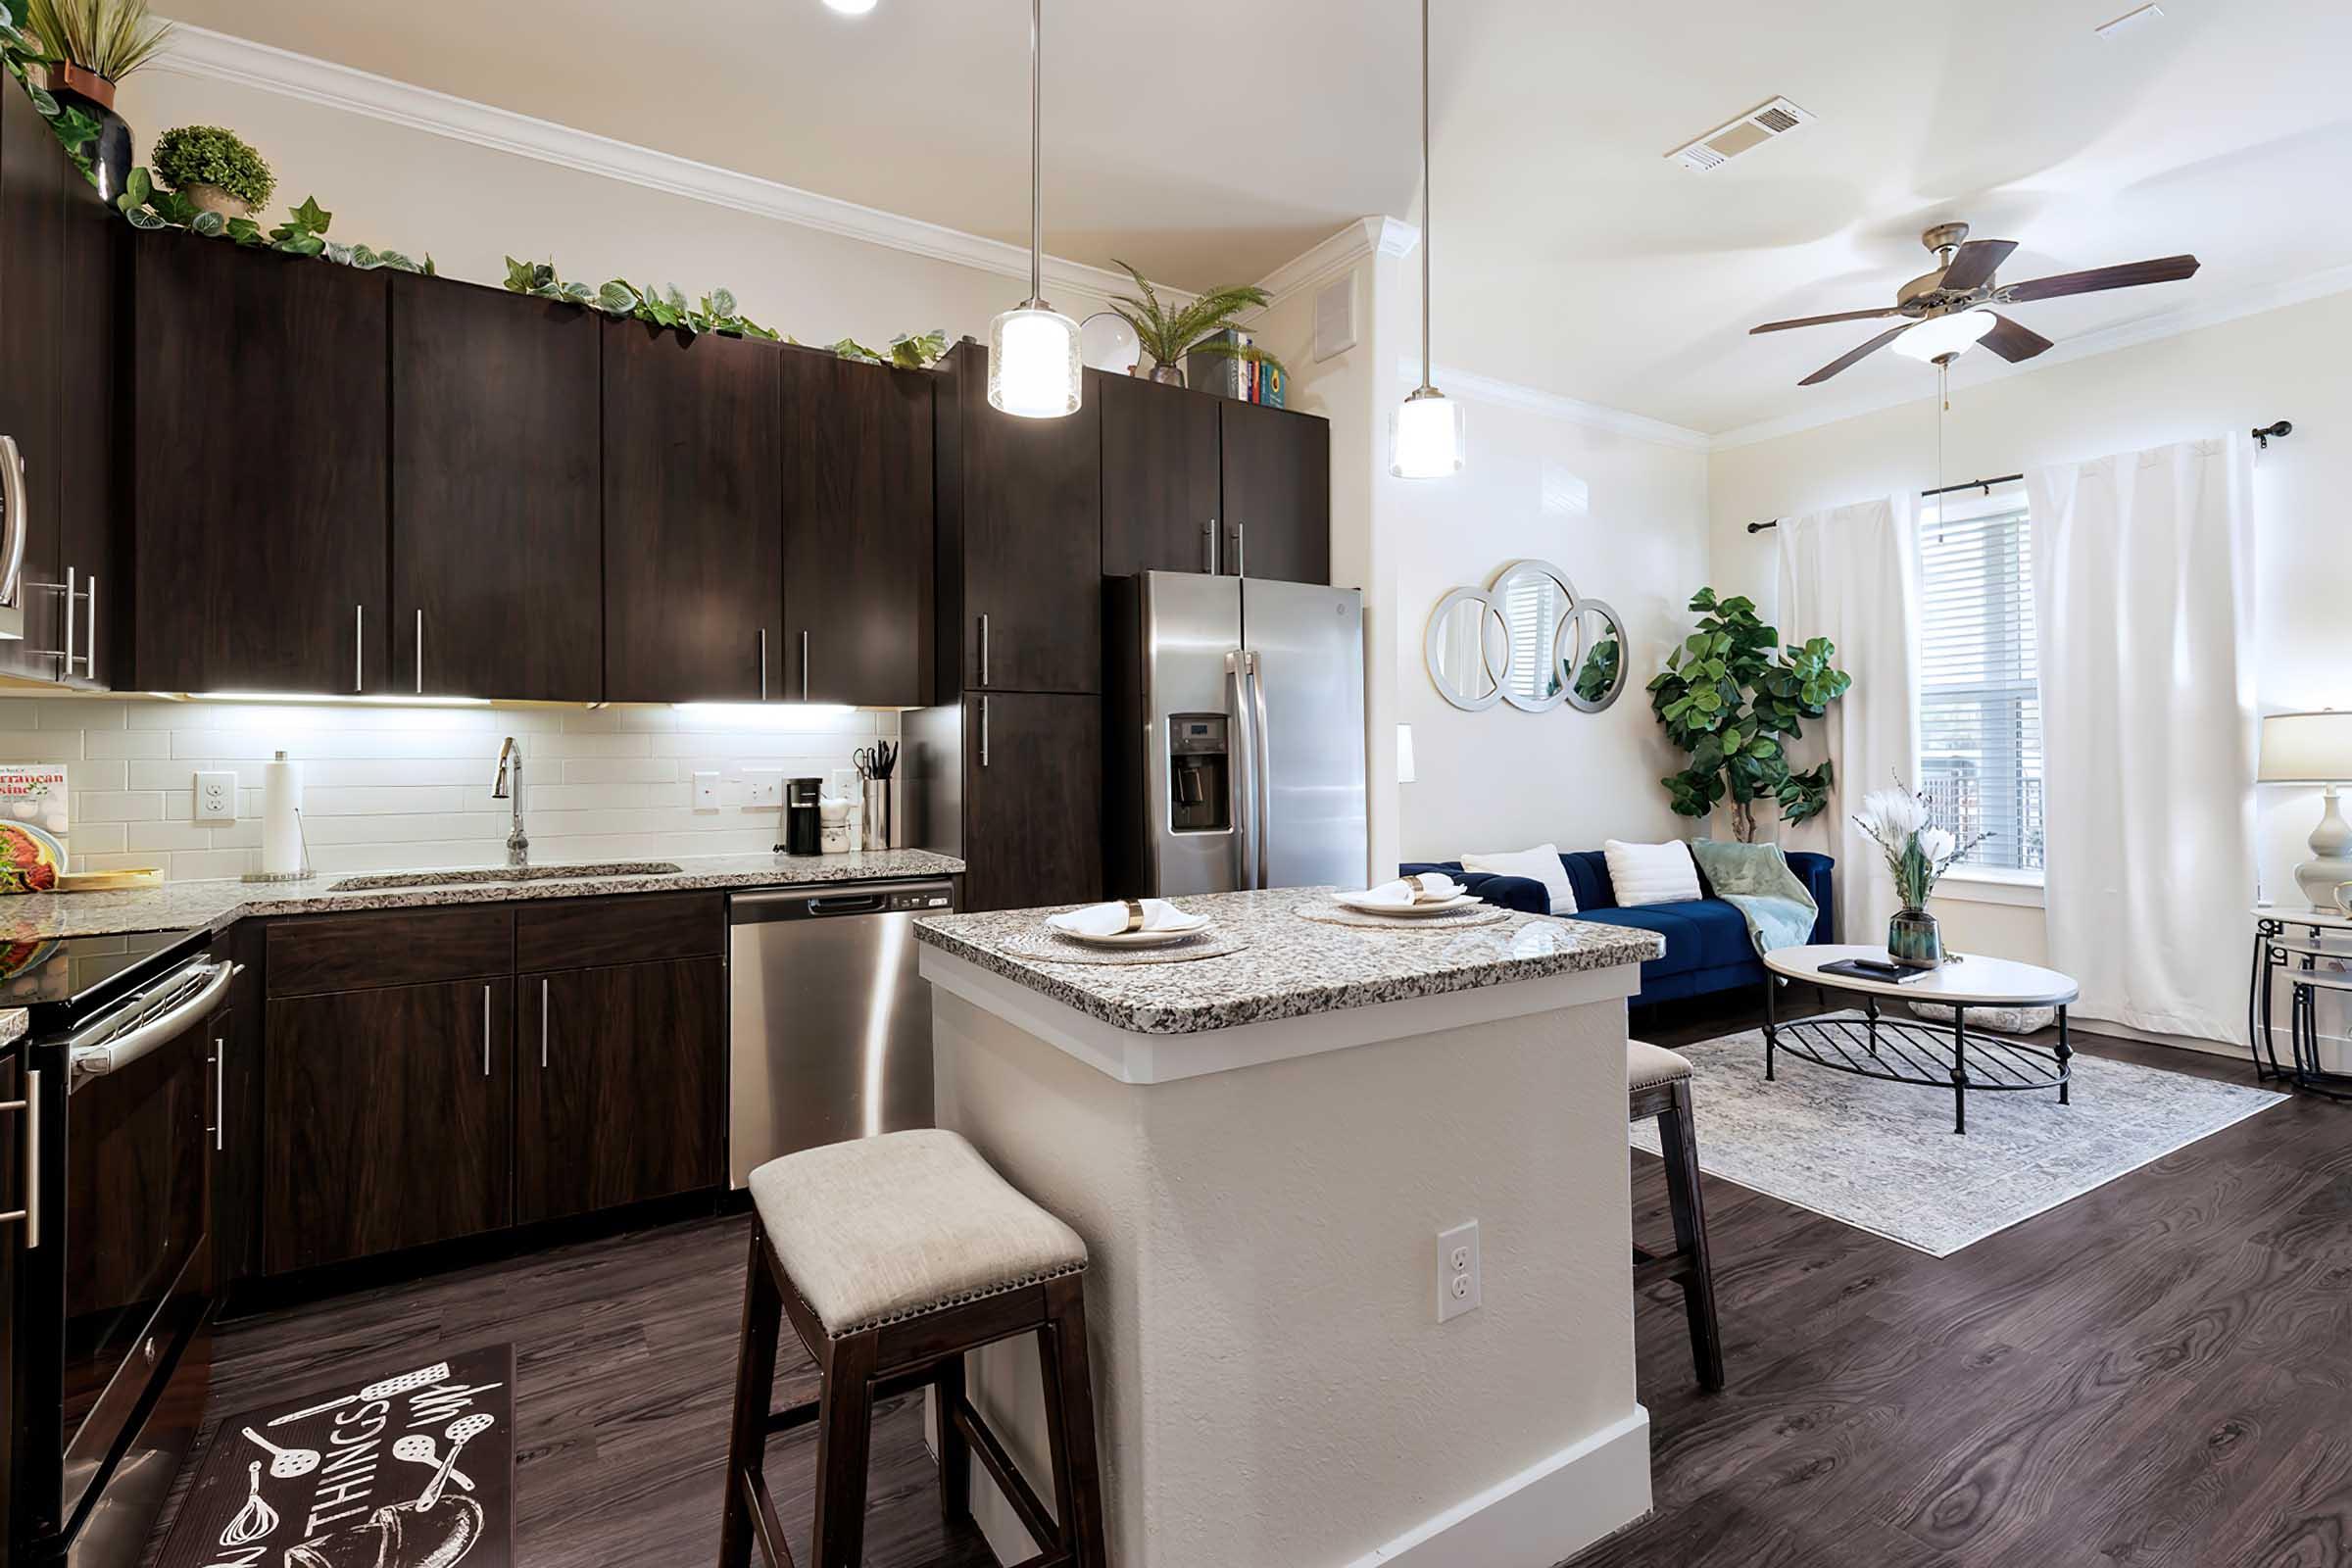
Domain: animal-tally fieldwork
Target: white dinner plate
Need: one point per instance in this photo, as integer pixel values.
(1136, 939)
(1357, 903)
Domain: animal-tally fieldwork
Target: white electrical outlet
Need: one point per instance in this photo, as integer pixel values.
(1458, 1289)
(763, 786)
(706, 792)
(215, 797)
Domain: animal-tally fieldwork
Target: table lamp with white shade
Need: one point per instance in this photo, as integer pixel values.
(2314, 749)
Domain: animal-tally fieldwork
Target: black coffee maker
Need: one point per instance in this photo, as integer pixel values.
(804, 829)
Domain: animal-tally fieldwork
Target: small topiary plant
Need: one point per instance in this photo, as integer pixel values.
(207, 155)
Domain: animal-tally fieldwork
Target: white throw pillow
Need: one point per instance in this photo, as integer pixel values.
(1652, 873)
(1539, 864)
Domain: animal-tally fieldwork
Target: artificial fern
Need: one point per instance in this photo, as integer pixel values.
(1169, 335)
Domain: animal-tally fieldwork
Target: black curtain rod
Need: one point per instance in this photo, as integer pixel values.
(2263, 435)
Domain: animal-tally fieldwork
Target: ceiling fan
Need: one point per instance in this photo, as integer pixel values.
(1949, 310)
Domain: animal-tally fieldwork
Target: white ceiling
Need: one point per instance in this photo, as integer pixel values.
(1210, 140)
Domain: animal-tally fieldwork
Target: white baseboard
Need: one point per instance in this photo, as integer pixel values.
(1544, 1515)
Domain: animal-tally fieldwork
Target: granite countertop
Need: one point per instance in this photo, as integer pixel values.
(1292, 966)
(216, 905)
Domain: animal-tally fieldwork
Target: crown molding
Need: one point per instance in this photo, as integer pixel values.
(1326, 260)
(1472, 387)
(2107, 340)
(221, 56)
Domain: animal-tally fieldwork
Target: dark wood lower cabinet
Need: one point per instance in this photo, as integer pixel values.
(620, 1079)
(388, 1119)
(1032, 800)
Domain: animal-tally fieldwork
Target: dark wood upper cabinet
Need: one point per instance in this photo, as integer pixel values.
(90, 468)
(388, 1119)
(1277, 492)
(693, 484)
(258, 513)
(497, 563)
(33, 176)
(1032, 799)
(1161, 476)
(620, 1076)
(1025, 541)
(858, 532)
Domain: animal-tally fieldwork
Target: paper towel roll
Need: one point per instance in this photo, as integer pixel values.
(281, 817)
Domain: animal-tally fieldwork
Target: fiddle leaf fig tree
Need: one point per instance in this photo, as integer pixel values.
(1733, 697)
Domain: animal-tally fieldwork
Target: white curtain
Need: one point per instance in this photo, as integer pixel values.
(2143, 594)
(1851, 575)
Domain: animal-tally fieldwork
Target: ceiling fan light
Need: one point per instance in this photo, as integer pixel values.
(1938, 335)
(1033, 362)
(1426, 437)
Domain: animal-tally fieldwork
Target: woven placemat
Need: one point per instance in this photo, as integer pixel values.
(1357, 919)
(1048, 947)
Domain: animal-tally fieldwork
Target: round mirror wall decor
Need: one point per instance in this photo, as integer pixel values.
(1527, 639)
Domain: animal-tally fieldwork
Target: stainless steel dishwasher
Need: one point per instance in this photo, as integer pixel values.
(829, 1026)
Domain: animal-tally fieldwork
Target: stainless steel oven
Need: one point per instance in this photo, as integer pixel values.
(120, 1089)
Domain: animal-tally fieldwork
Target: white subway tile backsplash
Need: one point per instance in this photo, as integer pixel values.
(390, 788)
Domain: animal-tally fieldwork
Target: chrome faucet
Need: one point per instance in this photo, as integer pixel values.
(508, 783)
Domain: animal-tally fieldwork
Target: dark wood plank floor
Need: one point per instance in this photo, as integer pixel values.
(2156, 1373)
(625, 1369)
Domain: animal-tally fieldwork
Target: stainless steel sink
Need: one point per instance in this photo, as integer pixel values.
(502, 875)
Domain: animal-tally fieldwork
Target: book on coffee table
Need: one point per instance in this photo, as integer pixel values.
(1879, 969)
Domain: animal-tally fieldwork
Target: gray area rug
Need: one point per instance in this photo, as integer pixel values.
(1883, 1157)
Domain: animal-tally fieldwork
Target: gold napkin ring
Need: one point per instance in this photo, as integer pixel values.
(1134, 915)
(1413, 881)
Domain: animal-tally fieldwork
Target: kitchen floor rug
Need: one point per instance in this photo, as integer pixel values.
(1883, 1157)
(412, 1468)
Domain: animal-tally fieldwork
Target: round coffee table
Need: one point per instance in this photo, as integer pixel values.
(1906, 1051)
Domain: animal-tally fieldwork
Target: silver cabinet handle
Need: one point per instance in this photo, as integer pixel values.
(983, 732)
(803, 666)
(65, 672)
(421, 652)
(485, 1031)
(219, 1092)
(358, 648)
(1208, 547)
(543, 1014)
(1241, 550)
(68, 592)
(984, 648)
(13, 509)
(30, 1105)
(764, 663)
(89, 655)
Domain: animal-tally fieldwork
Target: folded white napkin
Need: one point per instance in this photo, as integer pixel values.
(1109, 919)
(1435, 887)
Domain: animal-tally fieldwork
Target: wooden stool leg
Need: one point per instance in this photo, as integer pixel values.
(754, 1386)
(845, 1427)
(955, 1454)
(1070, 1424)
(1678, 1140)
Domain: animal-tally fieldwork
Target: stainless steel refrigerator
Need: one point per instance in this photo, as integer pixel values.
(1235, 725)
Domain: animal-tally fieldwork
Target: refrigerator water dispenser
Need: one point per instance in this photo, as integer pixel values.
(1200, 792)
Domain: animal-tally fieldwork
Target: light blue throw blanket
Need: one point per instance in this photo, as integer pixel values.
(1755, 879)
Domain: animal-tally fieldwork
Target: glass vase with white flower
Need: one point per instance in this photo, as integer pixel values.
(1918, 853)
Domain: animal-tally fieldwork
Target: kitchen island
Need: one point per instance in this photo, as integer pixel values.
(1262, 1152)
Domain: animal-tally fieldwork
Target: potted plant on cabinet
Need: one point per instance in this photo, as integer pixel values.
(215, 169)
(1168, 335)
(94, 44)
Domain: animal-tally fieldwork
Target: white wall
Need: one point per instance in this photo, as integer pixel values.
(2283, 364)
(390, 788)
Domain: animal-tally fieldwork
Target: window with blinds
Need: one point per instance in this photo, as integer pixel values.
(1979, 687)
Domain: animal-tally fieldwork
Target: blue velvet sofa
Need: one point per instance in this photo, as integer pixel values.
(1707, 947)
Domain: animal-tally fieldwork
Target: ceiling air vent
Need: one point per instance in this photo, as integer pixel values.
(1754, 128)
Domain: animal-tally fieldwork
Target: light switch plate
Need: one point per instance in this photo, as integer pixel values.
(217, 796)
(706, 792)
(763, 786)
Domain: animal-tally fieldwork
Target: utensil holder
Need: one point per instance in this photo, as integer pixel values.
(881, 818)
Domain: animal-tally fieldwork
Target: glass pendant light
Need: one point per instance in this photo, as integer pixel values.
(1425, 432)
(1033, 366)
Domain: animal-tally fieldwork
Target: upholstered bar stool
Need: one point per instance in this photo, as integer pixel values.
(1658, 1084)
(893, 1256)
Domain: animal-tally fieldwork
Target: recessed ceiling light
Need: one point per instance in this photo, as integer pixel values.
(850, 8)
(2128, 20)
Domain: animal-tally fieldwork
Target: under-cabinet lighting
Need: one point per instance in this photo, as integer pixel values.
(347, 698)
(753, 714)
(850, 8)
